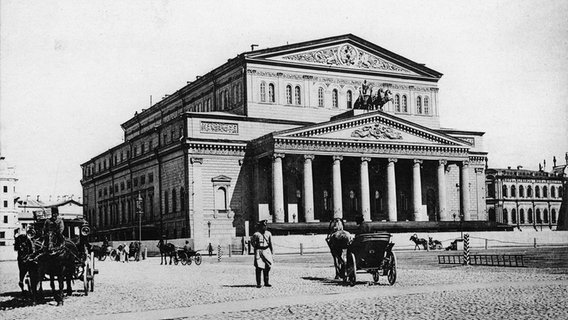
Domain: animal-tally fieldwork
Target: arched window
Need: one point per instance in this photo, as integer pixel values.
(538, 217)
(553, 216)
(505, 220)
(263, 91)
(545, 216)
(529, 192)
(221, 198)
(404, 104)
(505, 191)
(514, 216)
(397, 103)
(521, 191)
(271, 94)
(289, 94)
(419, 105)
(544, 192)
(513, 192)
(349, 99)
(537, 192)
(334, 97)
(174, 200)
(320, 97)
(426, 105)
(530, 216)
(552, 192)
(297, 95)
(522, 216)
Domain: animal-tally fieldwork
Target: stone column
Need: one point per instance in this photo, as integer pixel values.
(197, 194)
(442, 205)
(365, 199)
(391, 192)
(465, 191)
(417, 190)
(278, 187)
(337, 200)
(308, 188)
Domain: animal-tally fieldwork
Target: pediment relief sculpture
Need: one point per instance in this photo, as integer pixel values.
(377, 131)
(347, 55)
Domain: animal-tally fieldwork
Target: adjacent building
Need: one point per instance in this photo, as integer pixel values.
(301, 133)
(8, 210)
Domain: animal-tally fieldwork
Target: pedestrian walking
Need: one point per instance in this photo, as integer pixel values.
(263, 260)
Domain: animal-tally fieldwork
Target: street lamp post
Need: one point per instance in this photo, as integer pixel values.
(139, 211)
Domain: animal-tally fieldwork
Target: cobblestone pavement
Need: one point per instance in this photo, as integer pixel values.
(302, 289)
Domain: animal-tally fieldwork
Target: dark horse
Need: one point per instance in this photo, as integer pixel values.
(338, 239)
(166, 249)
(376, 102)
(134, 250)
(418, 242)
(25, 249)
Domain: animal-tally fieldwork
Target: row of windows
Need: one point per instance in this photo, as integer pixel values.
(529, 191)
(128, 185)
(544, 218)
(401, 104)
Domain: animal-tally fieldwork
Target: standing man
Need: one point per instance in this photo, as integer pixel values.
(262, 244)
(53, 232)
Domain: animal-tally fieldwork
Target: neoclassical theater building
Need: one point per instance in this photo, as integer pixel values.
(281, 134)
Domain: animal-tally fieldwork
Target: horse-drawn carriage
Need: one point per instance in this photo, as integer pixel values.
(73, 261)
(372, 253)
(186, 258)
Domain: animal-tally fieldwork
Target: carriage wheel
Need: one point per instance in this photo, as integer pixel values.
(183, 258)
(351, 269)
(376, 276)
(197, 258)
(391, 273)
(113, 254)
(189, 260)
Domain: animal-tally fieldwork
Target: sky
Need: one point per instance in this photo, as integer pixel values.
(72, 71)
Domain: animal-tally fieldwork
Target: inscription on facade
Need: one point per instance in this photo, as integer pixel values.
(219, 127)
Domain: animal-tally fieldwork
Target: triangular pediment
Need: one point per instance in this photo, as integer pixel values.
(373, 127)
(346, 52)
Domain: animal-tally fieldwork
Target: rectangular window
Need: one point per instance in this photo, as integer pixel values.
(2, 244)
(2, 234)
(5, 189)
(135, 182)
(150, 177)
(5, 219)
(5, 204)
(143, 148)
(122, 186)
(128, 184)
(142, 179)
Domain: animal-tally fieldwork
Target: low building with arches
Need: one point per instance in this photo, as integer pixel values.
(274, 134)
(525, 198)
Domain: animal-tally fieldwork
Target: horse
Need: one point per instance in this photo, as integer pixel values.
(338, 239)
(381, 99)
(25, 249)
(364, 102)
(418, 242)
(134, 250)
(166, 249)
(435, 244)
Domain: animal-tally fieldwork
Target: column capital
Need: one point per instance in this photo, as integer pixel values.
(196, 160)
(309, 157)
(393, 160)
(418, 161)
(278, 155)
(365, 159)
(338, 158)
(442, 162)
(465, 163)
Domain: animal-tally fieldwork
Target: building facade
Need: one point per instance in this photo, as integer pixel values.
(292, 134)
(526, 198)
(8, 211)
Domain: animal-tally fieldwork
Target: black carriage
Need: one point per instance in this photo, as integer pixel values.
(76, 231)
(372, 253)
(186, 258)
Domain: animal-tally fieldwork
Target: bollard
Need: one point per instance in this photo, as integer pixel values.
(219, 253)
(229, 250)
(301, 249)
(485, 244)
(466, 249)
(145, 253)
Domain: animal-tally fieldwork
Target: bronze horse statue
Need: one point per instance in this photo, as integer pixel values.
(338, 240)
(166, 249)
(369, 102)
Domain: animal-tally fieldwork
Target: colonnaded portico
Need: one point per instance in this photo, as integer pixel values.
(382, 177)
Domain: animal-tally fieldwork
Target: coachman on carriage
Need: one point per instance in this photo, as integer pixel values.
(56, 248)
